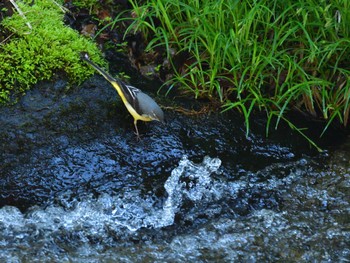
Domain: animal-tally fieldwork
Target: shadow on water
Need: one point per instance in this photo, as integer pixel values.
(75, 184)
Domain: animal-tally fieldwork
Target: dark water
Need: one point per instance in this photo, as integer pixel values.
(76, 186)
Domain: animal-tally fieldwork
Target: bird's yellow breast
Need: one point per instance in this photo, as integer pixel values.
(131, 110)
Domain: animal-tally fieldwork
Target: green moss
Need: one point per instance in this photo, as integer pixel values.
(31, 55)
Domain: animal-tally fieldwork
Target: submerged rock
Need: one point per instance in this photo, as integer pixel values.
(82, 139)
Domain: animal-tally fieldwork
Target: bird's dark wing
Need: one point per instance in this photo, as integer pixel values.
(131, 96)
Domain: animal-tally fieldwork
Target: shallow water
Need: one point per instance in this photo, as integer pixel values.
(77, 187)
(298, 214)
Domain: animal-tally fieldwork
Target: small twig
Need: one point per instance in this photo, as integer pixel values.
(21, 14)
(7, 38)
(63, 9)
(204, 110)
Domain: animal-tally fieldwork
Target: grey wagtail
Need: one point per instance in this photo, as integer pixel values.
(141, 106)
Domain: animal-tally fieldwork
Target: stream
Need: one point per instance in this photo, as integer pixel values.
(76, 185)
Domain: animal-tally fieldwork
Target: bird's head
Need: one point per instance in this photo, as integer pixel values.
(157, 115)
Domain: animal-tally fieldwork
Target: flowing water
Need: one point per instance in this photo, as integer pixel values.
(193, 190)
(289, 211)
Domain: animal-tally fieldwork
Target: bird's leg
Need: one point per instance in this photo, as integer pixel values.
(137, 131)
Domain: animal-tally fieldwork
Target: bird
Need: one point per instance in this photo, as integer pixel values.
(141, 106)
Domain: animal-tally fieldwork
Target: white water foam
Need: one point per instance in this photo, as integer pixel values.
(188, 181)
(227, 220)
(129, 210)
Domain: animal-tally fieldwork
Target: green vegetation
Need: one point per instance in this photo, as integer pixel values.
(93, 5)
(88, 4)
(39, 45)
(275, 56)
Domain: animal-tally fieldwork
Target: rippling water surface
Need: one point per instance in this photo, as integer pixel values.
(82, 189)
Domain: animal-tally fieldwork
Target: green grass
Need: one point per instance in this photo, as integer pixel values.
(276, 56)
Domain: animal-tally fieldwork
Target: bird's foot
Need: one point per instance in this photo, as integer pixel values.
(138, 138)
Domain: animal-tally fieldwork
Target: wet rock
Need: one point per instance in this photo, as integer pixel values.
(82, 139)
(75, 183)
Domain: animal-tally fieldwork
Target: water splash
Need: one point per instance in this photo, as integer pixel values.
(73, 224)
(190, 181)
(251, 218)
(130, 209)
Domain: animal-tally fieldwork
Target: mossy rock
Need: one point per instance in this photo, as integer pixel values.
(40, 46)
